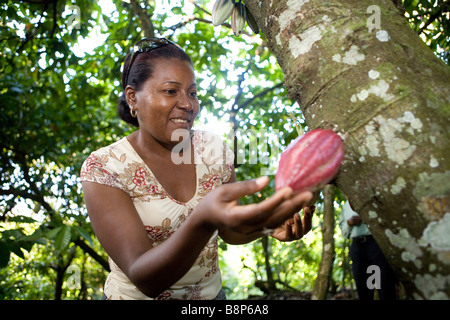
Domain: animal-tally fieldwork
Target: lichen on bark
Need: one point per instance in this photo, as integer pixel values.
(387, 95)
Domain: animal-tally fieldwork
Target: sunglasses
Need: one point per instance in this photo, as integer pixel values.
(147, 45)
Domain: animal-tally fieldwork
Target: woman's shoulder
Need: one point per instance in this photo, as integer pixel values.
(120, 145)
(106, 161)
(120, 150)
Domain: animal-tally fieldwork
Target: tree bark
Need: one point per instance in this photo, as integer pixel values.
(323, 279)
(60, 269)
(359, 69)
(266, 248)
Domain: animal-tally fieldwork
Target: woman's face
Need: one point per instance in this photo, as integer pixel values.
(168, 100)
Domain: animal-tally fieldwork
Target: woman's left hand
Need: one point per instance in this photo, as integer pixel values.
(295, 228)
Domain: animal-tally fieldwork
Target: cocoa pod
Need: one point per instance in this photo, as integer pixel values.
(251, 21)
(221, 11)
(310, 161)
(238, 18)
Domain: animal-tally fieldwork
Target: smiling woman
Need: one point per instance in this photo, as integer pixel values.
(158, 220)
(139, 66)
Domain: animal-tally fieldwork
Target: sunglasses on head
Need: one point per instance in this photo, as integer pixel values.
(146, 45)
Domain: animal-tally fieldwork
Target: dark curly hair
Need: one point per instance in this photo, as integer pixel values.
(141, 70)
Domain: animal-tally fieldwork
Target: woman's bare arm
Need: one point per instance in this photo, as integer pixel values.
(123, 236)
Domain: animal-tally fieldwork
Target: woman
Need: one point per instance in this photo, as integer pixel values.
(157, 199)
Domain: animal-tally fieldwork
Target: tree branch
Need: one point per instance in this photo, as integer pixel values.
(235, 106)
(434, 16)
(38, 196)
(55, 19)
(34, 193)
(60, 270)
(29, 35)
(144, 18)
(199, 8)
(37, 1)
(86, 248)
(26, 195)
(262, 93)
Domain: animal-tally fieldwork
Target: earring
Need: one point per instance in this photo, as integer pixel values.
(133, 112)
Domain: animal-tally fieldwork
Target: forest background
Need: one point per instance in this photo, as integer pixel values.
(61, 64)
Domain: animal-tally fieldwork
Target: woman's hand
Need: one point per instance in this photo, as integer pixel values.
(220, 208)
(295, 228)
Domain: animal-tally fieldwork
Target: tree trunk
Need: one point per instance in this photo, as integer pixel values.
(144, 18)
(266, 248)
(324, 274)
(60, 270)
(359, 69)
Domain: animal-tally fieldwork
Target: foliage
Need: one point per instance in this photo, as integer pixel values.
(58, 103)
(430, 19)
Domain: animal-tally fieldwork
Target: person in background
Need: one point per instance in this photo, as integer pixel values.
(365, 252)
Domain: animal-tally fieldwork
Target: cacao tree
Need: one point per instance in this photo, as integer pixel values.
(358, 68)
(323, 279)
(57, 105)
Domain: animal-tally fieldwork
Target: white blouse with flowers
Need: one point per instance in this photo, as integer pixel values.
(118, 165)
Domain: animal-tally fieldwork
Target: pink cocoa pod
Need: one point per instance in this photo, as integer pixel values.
(310, 161)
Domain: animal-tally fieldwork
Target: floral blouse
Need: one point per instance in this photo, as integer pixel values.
(118, 165)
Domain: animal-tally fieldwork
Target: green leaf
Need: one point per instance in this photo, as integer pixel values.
(4, 254)
(22, 219)
(84, 234)
(36, 237)
(53, 232)
(62, 239)
(16, 249)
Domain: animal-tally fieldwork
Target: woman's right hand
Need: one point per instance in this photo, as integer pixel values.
(220, 208)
